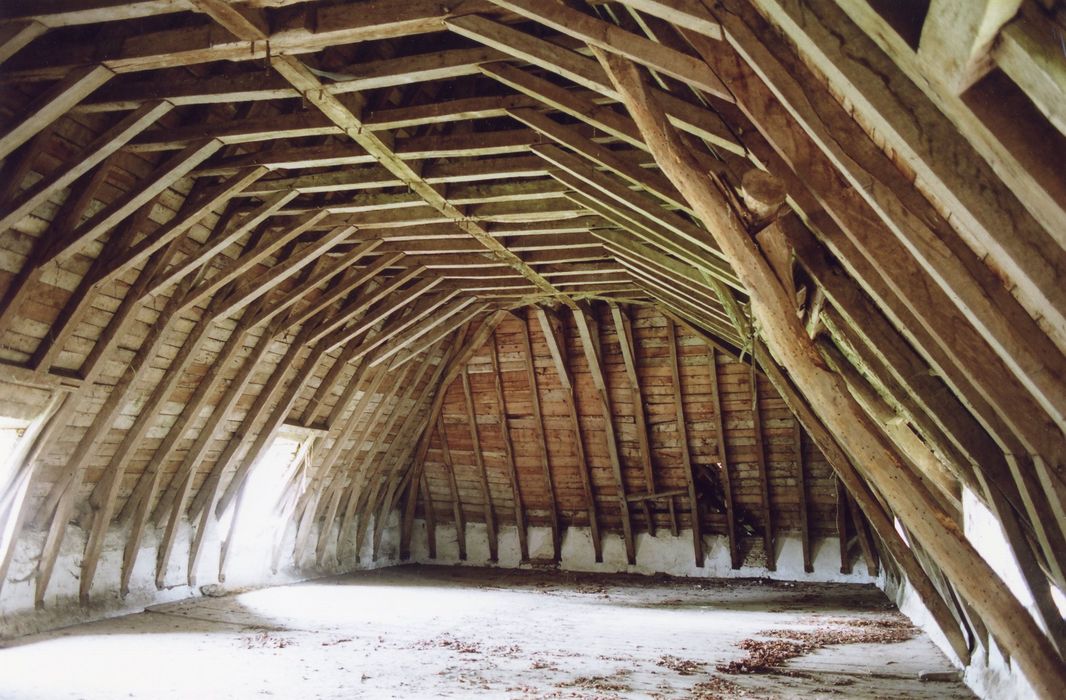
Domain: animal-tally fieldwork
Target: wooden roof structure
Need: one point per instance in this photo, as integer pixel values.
(729, 265)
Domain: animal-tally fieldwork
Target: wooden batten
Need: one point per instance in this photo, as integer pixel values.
(749, 271)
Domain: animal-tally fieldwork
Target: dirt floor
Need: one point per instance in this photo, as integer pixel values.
(425, 632)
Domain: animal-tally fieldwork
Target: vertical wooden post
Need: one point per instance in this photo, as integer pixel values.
(508, 448)
(479, 461)
(590, 345)
(764, 479)
(624, 329)
(557, 350)
(869, 551)
(723, 460)
(430, 516)
(457, 504)
(682, 438)
(842, 526)
(542, 441)
(801, 492)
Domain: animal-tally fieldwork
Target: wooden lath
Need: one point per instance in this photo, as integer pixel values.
(213, 215)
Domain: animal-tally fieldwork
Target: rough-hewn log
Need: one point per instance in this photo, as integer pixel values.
(787, 340)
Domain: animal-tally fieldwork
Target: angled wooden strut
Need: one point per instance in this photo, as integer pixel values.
(482, 470)
(542, 440)
(557, 349)
(787, 340)
(508, 447)
(624, 329)
(683, 446)
(590, 345)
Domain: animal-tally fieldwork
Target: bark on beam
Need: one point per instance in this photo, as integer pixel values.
(787, 340)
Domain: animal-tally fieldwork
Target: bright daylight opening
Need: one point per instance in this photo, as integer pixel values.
(11, 430)
(258, 510)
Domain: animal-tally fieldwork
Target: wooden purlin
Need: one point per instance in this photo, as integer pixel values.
(305, 82)
(935, 312)
(568, 207)
(787, 337)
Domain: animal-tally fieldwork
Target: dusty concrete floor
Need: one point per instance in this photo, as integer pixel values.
(422, 632)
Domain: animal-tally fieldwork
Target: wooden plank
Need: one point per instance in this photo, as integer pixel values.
(801, 494)
(557, 348)
(88, 158)
(590, 345)
(28, 278)
(314, 92)
(955, 46)
(624, 329)
(265, 246)
(74, 470)
(1028, 52)
(508, 448)
(542, 441)
(842, 527)
(431, 516)
(209, 499)
(248, 290)
(764, 474)
(80, 301)
(58, 100)
(869, 551)
(14, 507)
(16, 35)
(723, 461)
(684, 447)
(418, 465)
(611, 37)
(163, 177)
(486, 498)
(786, 338)
(453, 488)
(355, 279)
(185, 474)
(1024, 162)
(223, 236)
(405, 322)
(368, 297)
(140, 501)
(988, 315)
(944, 161)
(407, 345)
(400, 451)
(553, 57)
(111, 481)
(191, 213)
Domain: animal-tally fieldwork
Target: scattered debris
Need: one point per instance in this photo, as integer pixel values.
(265, 640)
(613, 682)
(715, 688)
(448, 642)
(510, 651)
(335, 642)
(686, 667)
(767, 655)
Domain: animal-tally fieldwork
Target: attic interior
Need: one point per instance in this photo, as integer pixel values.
(724, 290)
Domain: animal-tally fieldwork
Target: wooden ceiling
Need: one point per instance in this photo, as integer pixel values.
(219, 218)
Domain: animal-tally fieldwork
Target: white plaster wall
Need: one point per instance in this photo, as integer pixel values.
(248, 567)
(663, 554)
(989, 674)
